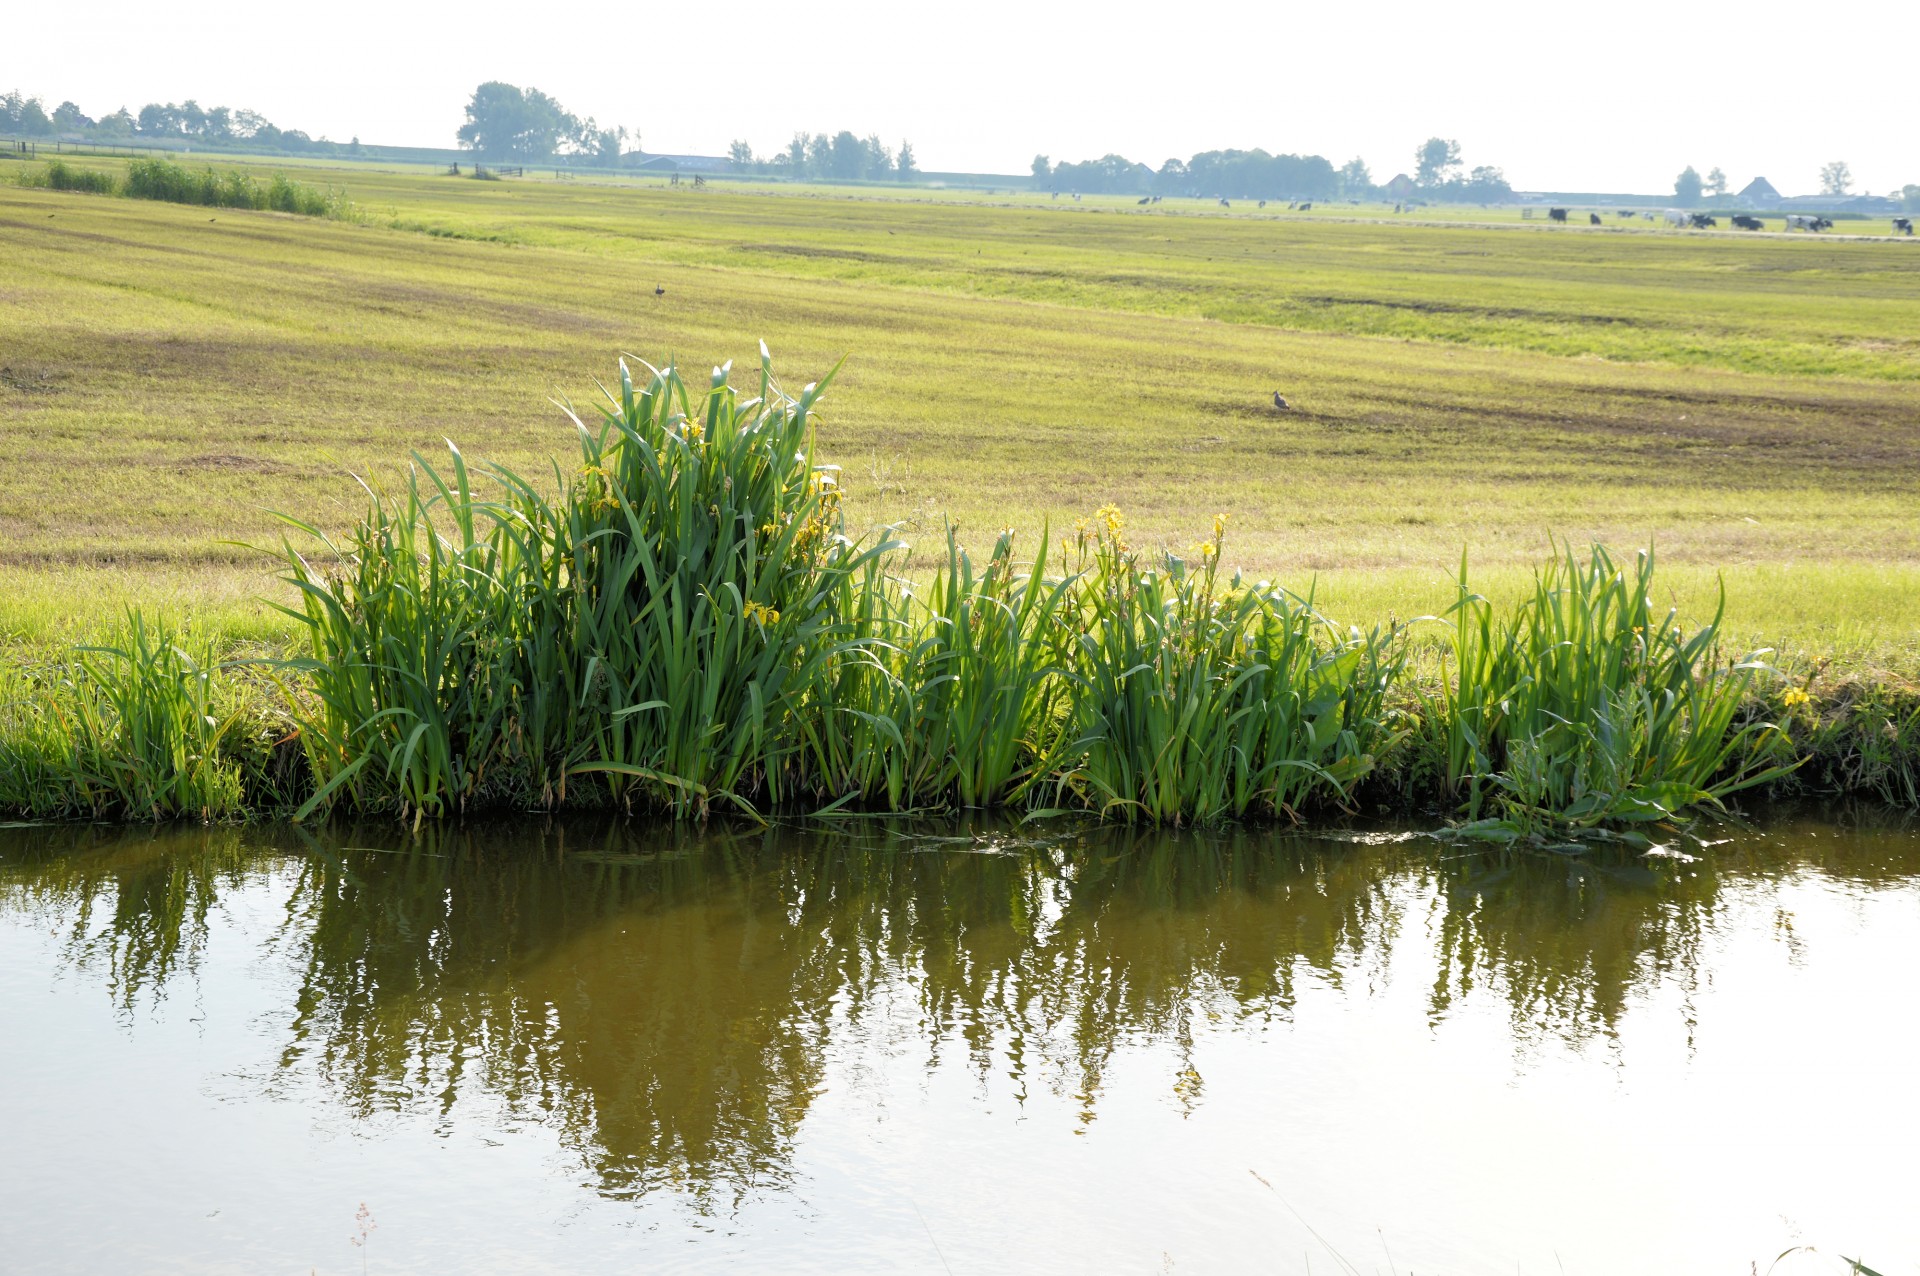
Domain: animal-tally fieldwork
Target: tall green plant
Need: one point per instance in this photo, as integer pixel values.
(1583, 707)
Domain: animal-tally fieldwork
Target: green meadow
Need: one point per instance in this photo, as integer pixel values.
(171, 375)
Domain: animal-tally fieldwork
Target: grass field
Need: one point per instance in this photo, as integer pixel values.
(1751, 404)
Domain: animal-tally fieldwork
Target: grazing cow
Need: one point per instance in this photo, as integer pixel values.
(1646, 217)
(1625, 212)
(1801, 221)
(1903, 225)
(1675, 218)
(1263, 203)
(1593, 219)
(1143, 199)
(1307, 207)
(1744, 222)
(1556, 214)
(1225, 204)
(1700, 221)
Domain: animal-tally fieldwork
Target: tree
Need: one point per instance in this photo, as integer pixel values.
(1687, 187)
(819, 155)
(796, 155)
(68, 118)
(1355, 178)
(1716, 182)
(904, 167)
(1835, 178)
(847, 157)
(741, 152)
(1042, 170)
(1436, 160)
(1910, 198)
(506, 122)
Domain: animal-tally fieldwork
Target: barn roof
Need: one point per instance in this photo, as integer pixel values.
(1759, 189)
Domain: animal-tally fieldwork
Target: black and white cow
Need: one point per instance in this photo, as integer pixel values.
(1700, 221)
(1903, 225)
(1677, 219)
(1802, 221)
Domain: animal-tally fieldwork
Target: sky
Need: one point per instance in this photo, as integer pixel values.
(1577, 95)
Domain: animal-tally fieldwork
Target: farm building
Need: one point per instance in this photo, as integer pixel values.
(1758, 193)
(1401, 187)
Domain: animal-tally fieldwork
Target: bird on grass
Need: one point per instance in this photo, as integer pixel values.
(1281, 403)
(658, 291)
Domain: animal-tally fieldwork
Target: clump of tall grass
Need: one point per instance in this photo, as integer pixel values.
(1198, 699)
(163, 179)
(650, 634)
(1584, 708)
(134, 731)
(61, 176)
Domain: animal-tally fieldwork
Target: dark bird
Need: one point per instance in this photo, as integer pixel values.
(1280, 403)
(658, 291)
(213, 219)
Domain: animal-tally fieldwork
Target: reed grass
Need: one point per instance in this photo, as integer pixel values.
(162, 179)
(681, 622)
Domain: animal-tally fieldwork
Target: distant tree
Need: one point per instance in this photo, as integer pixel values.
(1687, 187)
(32, 119)
(904, 166)
(877, 160)
(1716, 182)
(1355, 178)
(1910, 198)
(741, 152)
(68, 118)
(154, 119)
(605, 146)
(506, 122)
(1835, 178)
(796, 155)
(847, 157)
(1436, 160)
(1486, 185)
(117, 125)
(819, 155)
(1042, 170)
(249, 123)
(1172, 178)
(192, 120)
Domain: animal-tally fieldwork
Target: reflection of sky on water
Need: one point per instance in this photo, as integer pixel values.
(1107, 1049)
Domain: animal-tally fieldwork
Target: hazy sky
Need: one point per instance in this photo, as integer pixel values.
(1562, 94)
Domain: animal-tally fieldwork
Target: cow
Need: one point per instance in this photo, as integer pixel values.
(1626, 213)
(1307, 207)
(1675, 218)
(1225, 204)
(1646, 217)
(1700, 221)
(1744, 222)
(1143, 200)
(1802, 221)
(1903, 225)
(1593, 219)
(1557, 215)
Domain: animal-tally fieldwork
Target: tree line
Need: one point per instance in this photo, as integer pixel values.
(843, 157)
(172, 123)
(1256, 174)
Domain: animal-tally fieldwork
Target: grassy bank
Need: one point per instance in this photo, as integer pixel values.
(681, 622)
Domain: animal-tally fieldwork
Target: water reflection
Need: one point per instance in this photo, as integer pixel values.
(670, 1002)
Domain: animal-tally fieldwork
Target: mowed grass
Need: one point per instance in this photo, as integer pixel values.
(169, 375)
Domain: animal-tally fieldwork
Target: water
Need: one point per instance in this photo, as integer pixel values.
(578, 1048)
